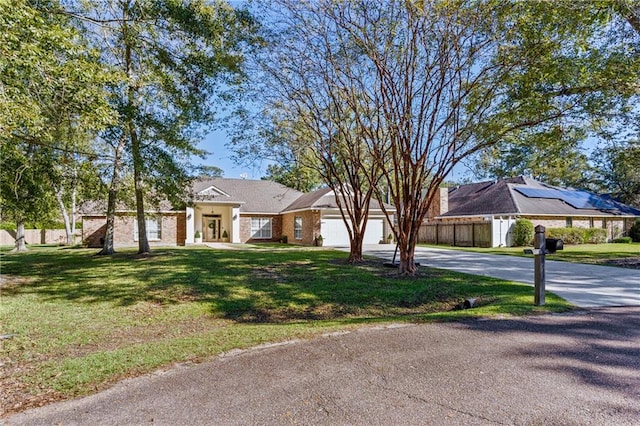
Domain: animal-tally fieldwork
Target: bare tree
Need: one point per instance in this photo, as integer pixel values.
(419, 85)
(307, 79)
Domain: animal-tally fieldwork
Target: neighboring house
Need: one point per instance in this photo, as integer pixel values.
(240, 211)
(485, 212)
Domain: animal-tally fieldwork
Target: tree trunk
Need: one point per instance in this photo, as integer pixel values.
(65, 217)
(21, 244)
(355, 253)
(143, 241)
(107, 246)
(407, 249)
(407, 265)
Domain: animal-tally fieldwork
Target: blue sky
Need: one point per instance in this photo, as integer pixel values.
(220, 156)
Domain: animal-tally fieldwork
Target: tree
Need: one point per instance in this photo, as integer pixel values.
(311, 130)
(418, 86)
(293, 175)
(51, 92)
(175, 57)
(586, 54)
(619, 167)
(25, 195)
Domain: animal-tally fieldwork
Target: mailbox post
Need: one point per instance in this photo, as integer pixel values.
(540, 249)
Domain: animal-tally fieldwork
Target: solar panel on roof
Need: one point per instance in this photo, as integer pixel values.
(576, 199)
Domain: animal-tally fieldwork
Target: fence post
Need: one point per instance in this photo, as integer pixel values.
(539, 244)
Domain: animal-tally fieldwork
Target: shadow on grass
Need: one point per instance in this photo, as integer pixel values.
(260, 286)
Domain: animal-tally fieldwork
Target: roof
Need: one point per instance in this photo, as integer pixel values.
(324, 198)
(99, 207)
(254, 196)
(526, 196)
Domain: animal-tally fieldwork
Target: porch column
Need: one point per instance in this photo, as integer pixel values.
(191, 220)
(235, 224)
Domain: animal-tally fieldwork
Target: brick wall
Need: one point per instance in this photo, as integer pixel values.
(245, 228)
(173, 230)
(310, 226)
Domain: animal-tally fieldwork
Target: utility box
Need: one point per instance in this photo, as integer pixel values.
(553, 245)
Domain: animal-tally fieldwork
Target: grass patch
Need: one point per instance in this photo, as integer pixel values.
(81, 322)
(598, 254)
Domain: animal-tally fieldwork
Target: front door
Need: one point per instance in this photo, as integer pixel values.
(212, 228)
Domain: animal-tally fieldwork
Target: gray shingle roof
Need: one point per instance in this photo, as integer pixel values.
(502, 197)
(254, 196)
(324, 198)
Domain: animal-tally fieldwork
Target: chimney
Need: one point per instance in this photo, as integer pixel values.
(440, 204)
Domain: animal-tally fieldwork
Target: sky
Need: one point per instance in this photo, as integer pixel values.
(220, 156)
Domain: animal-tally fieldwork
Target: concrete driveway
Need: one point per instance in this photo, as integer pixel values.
(583, 285)
(581, 368)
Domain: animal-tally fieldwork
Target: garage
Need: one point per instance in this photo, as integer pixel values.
(335, 233)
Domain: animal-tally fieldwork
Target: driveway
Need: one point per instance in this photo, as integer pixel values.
(581, 368)
(583, 285)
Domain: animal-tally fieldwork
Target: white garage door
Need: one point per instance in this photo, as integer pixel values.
(335, 232)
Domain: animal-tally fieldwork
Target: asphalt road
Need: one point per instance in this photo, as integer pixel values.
(572, 369)
(583, 285)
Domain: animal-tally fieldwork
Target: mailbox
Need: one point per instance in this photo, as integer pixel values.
(554, 244)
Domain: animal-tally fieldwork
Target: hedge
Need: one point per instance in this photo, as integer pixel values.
(567, 235)
(595, 236)
(523, 232)
(622, 240)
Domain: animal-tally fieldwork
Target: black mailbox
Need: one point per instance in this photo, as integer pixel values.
(554, 244)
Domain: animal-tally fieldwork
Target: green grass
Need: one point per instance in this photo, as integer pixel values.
(81, 322)
(582, 253)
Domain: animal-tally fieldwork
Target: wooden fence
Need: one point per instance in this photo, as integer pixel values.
(456, 234)
(35, 236)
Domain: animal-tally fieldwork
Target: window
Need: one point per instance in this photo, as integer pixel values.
(154, 228)
(591, 223)
(297, 228)
(261, 227)
(569, 222)
(604, 223)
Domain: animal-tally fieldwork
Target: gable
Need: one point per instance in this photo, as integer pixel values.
(253, 196)
(212, 191)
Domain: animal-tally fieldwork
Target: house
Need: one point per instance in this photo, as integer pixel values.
(482, 214)
(240, 211)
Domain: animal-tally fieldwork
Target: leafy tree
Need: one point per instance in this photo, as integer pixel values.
(634, 232)
(579, 57)
(175, 57)
(619, 171)
(26, 197)
(293, 175)
(209, 171)
(52, 92)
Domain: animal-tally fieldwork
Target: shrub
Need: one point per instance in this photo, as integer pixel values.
(595, 236)
(634, 231)
(522, 232)
(567, 235)
(622, 240)
(284, 239)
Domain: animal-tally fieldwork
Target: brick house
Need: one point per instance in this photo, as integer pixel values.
(240, 211)
(484, 213)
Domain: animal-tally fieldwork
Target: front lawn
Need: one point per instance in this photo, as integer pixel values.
(610, 254)
(73, 323)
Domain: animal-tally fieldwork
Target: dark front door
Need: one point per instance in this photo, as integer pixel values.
(212, 228)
